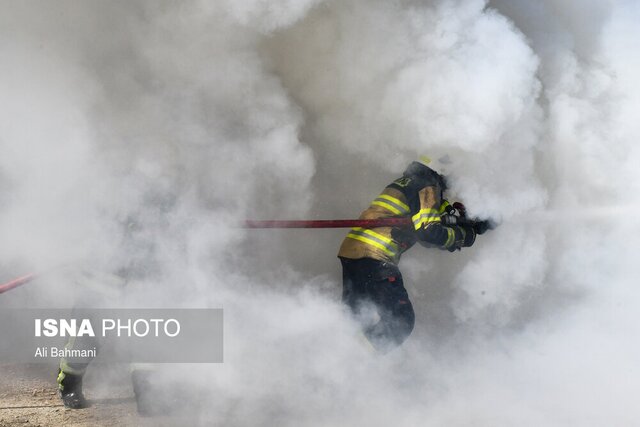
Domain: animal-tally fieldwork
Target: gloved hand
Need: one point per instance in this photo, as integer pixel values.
(480, 227)
(447, 219)
(462, 210)
(465, 237)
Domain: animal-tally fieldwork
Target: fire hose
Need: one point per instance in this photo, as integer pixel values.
(319, 223)
(19, 281)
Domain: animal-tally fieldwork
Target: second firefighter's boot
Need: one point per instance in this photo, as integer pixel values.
(70, 390)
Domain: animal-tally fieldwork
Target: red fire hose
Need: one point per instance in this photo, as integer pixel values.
(329, 223)
(16, 282)
(320, 223)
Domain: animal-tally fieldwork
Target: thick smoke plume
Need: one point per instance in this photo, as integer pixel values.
(134, 136)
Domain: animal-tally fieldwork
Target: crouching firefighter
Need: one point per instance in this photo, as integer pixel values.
(370, 257)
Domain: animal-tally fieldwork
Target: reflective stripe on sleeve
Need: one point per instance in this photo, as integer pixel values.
(451, 237)
(425, 216)
(374, 239)
(392, 204)
(443, 206)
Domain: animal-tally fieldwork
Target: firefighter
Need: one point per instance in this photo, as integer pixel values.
(70, 374)
(98, 286)
(134, 261)
(72, 369)
(370, 257)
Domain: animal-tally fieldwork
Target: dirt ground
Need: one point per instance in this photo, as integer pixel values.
(28, 398)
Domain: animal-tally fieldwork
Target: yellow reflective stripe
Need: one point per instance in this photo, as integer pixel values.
(374, 239)
(61, 377)
(443, 206)
(417, 223)
(403, 206)
(451, 237)
(396, 201)
(425, 216)
(374, 234)
(372, 243)
(387, 206)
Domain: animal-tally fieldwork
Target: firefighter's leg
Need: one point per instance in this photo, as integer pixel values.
(353, 283)
(355, 276)
(397, 317)
(369, 281)
(71, 372)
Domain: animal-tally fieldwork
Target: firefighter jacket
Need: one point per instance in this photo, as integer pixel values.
(418, 194)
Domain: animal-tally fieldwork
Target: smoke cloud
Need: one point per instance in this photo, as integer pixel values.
(135, 136)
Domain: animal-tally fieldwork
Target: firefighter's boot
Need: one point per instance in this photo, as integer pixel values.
(70, 390)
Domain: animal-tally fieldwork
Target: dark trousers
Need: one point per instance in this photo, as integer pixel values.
(369, 281)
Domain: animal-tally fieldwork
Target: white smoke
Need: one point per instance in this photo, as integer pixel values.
(137, 135)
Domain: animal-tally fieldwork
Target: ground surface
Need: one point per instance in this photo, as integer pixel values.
(28, 398)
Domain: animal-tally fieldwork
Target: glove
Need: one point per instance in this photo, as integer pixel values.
(462, 210)
(465, 237)
(480, 227)
(448, 220)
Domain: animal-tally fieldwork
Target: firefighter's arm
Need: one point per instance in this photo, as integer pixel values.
(448, 237)
(430, 228)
